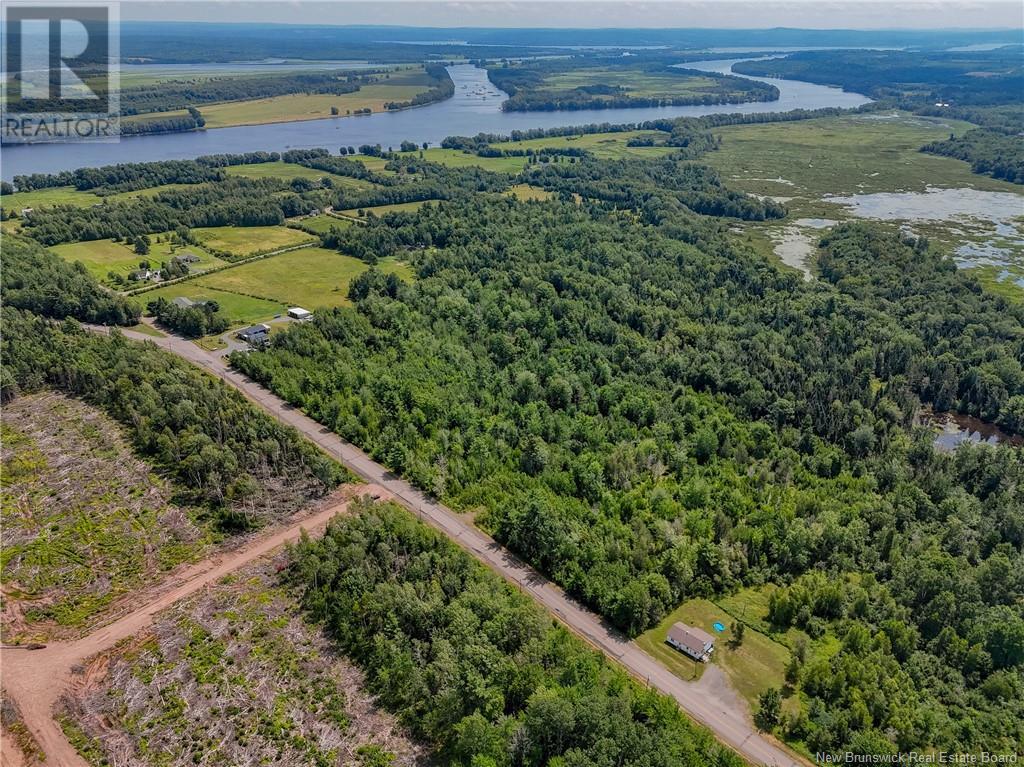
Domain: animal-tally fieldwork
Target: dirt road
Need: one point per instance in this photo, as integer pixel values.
(35, 679)
(720, 714)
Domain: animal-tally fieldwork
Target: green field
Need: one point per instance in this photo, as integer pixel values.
(43, 198)
(149, 191)
(323, 223)
(101, 256)
(456, 158)
(380, 210)
(249, 240)
(239, 309)
(288, 171)
(149, 117)
(526, 192)
(856, 154)
(757, 664)
(603, 145)
(635, 82)
(68, 195)
(104, 256)
(311, 277)
(376, 164)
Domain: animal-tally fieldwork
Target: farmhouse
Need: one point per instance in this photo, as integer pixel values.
(298, 313)
(255, 335)
(187, 258)
(691, 641)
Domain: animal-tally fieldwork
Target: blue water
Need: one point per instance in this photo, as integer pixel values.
(475, 108)
(719, 627)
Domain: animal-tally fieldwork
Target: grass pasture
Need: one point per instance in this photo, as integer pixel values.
(323, 223)
(607, 146)
(47, 198)
(239, 309)
(289, 171)
(310, 277)
(456, 158)
(380, 210)
(104, 256)
(101, 256)
(525, 192)
(248, 240)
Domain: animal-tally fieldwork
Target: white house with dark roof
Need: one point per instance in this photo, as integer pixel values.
(691, 641)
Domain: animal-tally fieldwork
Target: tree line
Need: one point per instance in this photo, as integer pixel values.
(126, 177)
(990, 152)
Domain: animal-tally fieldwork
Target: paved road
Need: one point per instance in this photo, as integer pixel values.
(720, 716)
(35, 679)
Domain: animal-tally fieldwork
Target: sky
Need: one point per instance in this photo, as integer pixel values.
(724, 14)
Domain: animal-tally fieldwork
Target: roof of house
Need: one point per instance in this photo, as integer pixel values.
(254, 330)
(183, 302)
(299, 310)
(693, 639)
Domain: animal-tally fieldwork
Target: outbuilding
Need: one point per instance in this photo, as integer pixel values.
(691, 641)
(298, 313)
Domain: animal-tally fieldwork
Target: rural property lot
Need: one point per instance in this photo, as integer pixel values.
(310, 277)
(247, 240)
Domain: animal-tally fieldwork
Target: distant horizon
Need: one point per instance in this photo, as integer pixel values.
(807, 15)
(580, 29)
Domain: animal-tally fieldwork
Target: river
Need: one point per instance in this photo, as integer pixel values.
(475, 108)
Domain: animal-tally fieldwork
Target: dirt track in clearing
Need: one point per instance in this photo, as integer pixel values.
(35, 679)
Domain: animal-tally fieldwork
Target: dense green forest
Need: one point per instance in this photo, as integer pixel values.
(190, 321)
(37, 280)
(648, 413)
(475, 668)
(990, 152)
(658, 190)
(233, 458)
